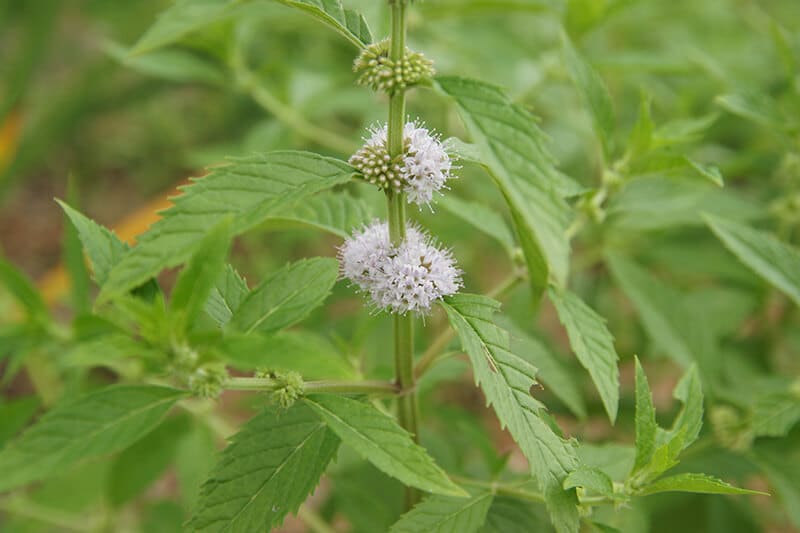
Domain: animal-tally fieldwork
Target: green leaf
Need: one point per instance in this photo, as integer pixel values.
(676, 327)
(514, 152)
(308, 353)
(226, 296)
(271, 466)
(286, 297)
(506, 380)
(108, 351)
(250, 189)
(15, 414)
(482, 218)
(592, 343)
(594, 94)
(186, 16)
(182, 66)
(689, 392)
(509, 515)
(775, 413)
(710, 172)
(758, 108)
(23, 290)
(182, 18)
(698, 483)
(101, 244)
(775, 261)
(553, 370)
(143, 463)
(646, 427)
(98, 423)
(443, 514)
(591, 479)
(196, 280)
(381, 441)
(337, 214)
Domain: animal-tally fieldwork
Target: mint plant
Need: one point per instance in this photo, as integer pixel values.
(351, 446)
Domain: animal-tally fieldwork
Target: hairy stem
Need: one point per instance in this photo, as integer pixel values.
(323, 386)
(396, 211)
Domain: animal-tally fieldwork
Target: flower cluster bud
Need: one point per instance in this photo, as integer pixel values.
(421, 170)
(289, 386)
(379, 72)
(208, 381)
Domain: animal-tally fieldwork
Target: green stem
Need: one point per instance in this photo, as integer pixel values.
(396, 214)
(311, 387)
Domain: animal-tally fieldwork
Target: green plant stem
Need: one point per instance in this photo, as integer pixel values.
(436, 348)
(396, 214)
(310, 387)
(289, 116)
(500, 489)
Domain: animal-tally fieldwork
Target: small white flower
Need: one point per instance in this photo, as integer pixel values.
(422, 169)
(408, 277)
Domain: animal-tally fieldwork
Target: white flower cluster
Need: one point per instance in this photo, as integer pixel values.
(421, 170)
(408, 277)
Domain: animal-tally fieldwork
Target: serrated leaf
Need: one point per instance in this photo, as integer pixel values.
(98, 423)
(677, 328)
(506, 380)
(591, 479)
(513, 150)
(594, 94)
(689, 392)
(698, 483)
(287, 296)
(250, 189)
(775, 261)
(552, 369)
(196, 280)
(381, 441)
(480, 217)
(592, 343)
(143, 463)
(338, 214)
(443, 514)
(270, 467)
(308, 353)
(646, 427)
(186, 16)
(226, 296)
(102, 246)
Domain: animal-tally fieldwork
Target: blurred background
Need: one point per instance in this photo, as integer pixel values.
(114, 133)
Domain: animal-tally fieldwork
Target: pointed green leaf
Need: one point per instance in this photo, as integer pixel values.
(226, 296)
(591, 479)
(698, 483)
(381, 441)
(776, 413)
(98, 423)
(592, 343)
(101, 244)
(594, 94)
(337, 214)
(514, 152)
(482, 218)
(286, 297)
(23, 290)
(443, 514)
(250, 189)
(709, 172)
(646, 427)
(200, 274)
(775, 261)
(506, 380)
(689, 392)
(186, 16)
(271, 466)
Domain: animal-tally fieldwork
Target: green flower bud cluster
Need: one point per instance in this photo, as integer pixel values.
(208, 381)
(378, 168)
(288, 388)
(381, 73)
